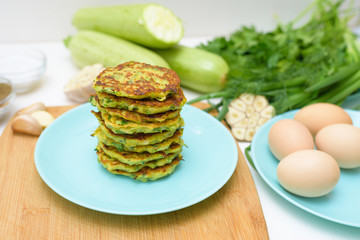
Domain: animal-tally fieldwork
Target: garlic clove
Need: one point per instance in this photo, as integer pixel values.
(249, 111)
(24, 123)
(248, 98)
(239, 133)
(255, 116)
(268, 112)
(238, 104)
(242, 124)
(44, 118)
(234, 116)
(260, 103)
(250, 132)
(252, 123)
(32, 108)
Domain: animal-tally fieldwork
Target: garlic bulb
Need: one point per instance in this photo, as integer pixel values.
(79, 87)
(246, 114)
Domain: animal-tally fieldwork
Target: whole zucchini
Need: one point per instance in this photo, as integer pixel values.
(198, 69)
(89, 47)
(151, 25)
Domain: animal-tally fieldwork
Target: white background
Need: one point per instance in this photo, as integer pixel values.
(43, 24)
(23, 20)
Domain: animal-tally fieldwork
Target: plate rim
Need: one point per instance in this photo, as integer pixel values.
(276, 189)
(68, 197)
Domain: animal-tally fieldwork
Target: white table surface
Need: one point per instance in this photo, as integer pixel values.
(283, 219)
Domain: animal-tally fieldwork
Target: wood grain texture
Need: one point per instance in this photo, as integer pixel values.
(29, 209)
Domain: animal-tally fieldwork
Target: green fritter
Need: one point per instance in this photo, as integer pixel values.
(133, 158)
(174, 139)
(139, 139)
(138, 81)
(147, 173)
(133, 116)
(144, 106)
(112, 164)
(122, 126)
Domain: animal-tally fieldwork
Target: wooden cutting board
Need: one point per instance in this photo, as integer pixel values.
(29, 209)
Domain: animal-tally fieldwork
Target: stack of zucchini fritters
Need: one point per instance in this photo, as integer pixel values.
(140, 126)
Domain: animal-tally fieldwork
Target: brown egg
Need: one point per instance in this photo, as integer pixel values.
(342, 142)
(319, 115)
(287, 136)
(308, 173)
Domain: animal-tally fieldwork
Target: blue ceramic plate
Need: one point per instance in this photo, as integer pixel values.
(66, 161)
(341, 205)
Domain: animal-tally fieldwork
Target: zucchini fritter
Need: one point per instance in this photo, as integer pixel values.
(134, 158)
(138, 81)
(140, 126)
(112, 164)
(139, 139)
(174, 139)
(147, 173)
(144, 106)
(122, 126)
(133, 116)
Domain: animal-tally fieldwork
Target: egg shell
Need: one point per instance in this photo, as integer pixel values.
(342, 142)
(287, 136)
(319, 115)
(308, 173)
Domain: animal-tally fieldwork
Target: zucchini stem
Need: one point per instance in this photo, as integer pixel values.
(67, 41)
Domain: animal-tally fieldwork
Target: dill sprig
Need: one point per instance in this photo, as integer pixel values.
(292, 66)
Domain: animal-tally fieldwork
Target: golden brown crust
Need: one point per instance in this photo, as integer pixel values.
(144, 106)
(148, 173)
(151, 148)
(133, 158)
(138, 80)
(134, 139)
(112, 164)
(134, 116)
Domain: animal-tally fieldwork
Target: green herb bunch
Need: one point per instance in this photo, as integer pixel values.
(292, 66)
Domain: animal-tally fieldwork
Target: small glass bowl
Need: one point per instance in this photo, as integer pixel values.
(22, 66)
(6, 102)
